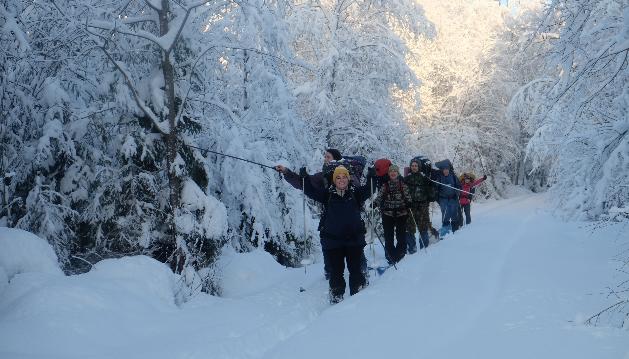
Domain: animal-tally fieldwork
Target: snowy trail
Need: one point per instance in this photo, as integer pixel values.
(514, 284)
(493, 290)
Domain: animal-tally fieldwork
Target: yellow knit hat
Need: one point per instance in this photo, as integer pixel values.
(340, 170)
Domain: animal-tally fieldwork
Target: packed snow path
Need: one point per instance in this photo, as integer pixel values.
(515, 283)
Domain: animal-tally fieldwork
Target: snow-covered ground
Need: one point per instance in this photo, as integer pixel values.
(514, 284)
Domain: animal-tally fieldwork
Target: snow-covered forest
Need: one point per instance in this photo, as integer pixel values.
(112, 113)
(142, 215)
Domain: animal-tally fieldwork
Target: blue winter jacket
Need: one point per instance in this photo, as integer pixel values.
(451, 180)
(341, 224)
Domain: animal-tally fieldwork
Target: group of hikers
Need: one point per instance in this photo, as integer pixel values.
(403, 201)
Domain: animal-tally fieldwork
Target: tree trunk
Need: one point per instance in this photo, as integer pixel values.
(245, 81)
(172, 142)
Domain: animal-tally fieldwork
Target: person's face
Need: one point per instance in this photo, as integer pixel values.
(327, 157)
(393, 175)
(341, 181)
(414, 167)
(446, 171)
(467, 180)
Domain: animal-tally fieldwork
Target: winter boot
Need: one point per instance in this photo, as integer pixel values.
(334, 299)
(444, 230)
(434, 232)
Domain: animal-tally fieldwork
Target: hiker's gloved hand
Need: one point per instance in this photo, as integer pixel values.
(371, 172)
(484, 177)
(303, 172)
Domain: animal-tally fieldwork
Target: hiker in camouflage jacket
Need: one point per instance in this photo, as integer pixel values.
(422, 192)
(394, 200)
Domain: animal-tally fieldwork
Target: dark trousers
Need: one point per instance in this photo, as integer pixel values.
(468, 215)
(421, 220)
(336, 261)
(327, 269)
(394, 225)
(450, 212)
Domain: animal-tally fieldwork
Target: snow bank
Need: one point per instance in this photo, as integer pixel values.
(72, 315)
(23, 252)
(142, 277)
(249, 273)
(516, 283)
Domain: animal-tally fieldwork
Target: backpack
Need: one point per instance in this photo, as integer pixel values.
(354, 164)
(382, 166)
(444, 164)
(425, 165)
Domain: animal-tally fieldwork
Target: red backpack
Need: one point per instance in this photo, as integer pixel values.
(382, 166)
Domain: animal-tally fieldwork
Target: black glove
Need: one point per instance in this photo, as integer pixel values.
(371, 172)
(303, 172)
(484, 177)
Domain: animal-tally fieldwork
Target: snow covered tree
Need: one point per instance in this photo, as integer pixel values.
(39, 156)
(359, 58)
(248, 111)
(463, 91)
(149, 44)
(583, 131)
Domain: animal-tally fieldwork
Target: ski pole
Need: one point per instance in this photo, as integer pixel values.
(373, 250)
(230, 156)
(417, 227)
(303, 203)
(386, 254)
(372, 222)
(443, 184)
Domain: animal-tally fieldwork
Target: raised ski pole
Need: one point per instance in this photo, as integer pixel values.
(446, 185)
(230, 156)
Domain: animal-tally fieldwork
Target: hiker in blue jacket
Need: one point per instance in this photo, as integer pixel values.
(331, 155)
(341, 229)
(448, 196)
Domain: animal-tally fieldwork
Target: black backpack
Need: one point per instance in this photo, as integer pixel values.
(354, 164)
(425, 165)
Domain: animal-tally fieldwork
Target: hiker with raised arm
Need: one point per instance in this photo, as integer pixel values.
(468, 184)
(341, 228)
(323, 179)
(317, 179)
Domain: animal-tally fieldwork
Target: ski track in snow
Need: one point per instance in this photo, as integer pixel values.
(514, 284)
(459, 299)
